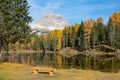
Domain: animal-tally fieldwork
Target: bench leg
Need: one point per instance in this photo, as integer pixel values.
(35, 71)
(50, 73)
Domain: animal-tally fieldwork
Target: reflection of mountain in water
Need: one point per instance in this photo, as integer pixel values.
(49, 22)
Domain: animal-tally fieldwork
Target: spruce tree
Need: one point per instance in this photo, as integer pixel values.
(14, 21)
(100, 28)
(111, 34)
(117, 38)
(81, 37)
(65, 37)
(53, 43)
(36, 42)
(94, 36)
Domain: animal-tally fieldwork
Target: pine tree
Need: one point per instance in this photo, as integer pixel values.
(72, 36)
(36, 42)
(115, 20)
(48, 42)
(14, 20)
(77, 27)
(81, 37)
(117, 38)
(54, 43)
(94, 36)
(111, 34)
(65, 36)
(101, 32)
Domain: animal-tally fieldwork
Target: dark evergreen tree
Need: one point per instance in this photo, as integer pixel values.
(64, 39)
(78, 39)
(53, 43)
(48, 42)
(101, 37)
(80, 35)
(72, 36)
(110, 34)
(36, 42)
(94, 36)
(117, 37)
(14, 20)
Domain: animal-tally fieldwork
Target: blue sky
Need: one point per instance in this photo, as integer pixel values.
(74, 11)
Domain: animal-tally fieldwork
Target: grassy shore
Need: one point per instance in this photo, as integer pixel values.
(9, 71)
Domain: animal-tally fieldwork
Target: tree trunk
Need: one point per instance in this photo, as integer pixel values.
(44, 51)
(1, 44)
(118, 50)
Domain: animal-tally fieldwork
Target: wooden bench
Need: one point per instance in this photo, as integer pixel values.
(49, 71)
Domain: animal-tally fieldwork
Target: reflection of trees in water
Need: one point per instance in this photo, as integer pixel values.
(33, 60)
(23, 59)
(19, 58)
(99, 62)
(59, 61)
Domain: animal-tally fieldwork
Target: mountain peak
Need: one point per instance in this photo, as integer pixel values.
(49, 14)
(50, 22)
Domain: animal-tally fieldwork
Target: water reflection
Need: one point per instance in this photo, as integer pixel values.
(99, 62)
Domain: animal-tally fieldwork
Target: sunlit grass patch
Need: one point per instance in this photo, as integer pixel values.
(5, 79)
(9, 71)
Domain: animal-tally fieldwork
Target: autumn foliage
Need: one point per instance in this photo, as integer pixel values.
(87, 35)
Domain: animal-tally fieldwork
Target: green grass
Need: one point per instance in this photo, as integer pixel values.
(5, 79)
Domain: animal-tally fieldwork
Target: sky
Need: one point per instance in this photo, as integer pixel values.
(74, 11)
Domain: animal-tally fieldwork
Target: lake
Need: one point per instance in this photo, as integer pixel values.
(106, 62)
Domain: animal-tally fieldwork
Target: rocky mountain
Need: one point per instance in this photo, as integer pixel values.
(49, 22)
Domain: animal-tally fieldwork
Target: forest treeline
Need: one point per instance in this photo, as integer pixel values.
(88, 35)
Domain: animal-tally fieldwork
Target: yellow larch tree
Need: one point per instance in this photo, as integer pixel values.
(87, 32)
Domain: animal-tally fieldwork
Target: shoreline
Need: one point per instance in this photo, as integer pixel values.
(68, 52)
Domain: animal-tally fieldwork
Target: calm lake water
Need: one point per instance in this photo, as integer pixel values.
(107, 63)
